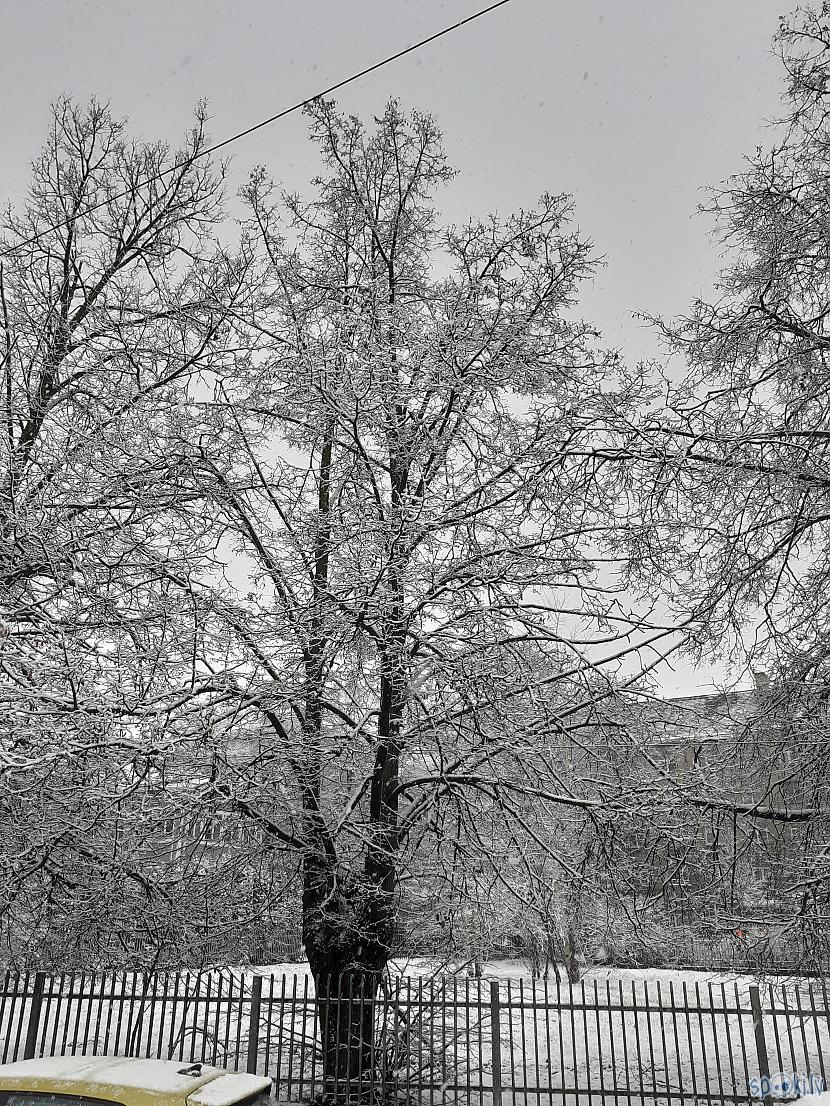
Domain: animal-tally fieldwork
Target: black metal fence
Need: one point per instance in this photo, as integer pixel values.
(446, 1040)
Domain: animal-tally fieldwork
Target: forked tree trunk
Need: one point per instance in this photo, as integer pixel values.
(345, 935)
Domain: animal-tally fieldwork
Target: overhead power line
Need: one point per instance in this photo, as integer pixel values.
(258, 126)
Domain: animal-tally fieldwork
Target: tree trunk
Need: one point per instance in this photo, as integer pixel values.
(345, 935)
(346, 1024)
(550, 952)
(572, 965)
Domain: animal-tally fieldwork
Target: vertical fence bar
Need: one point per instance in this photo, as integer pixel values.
(600, 1057)
(76, 1030)
(350, 1041)
(58, 1004)
(776, 1036)
(548, 1049)
(40, 1046)
(573, 1043)
(676, 1035)
(802, 1017)
(269, 1003)
(560, 1034)
(744, 1050)
(253, 1024)
(536, 1045)
(144, 1007)
(808, 1067)
(226, 1045)
(88, 1021)
(129, 1008)
(416, 1034)
(335, 996)
(481, 1006)
(702, 1035)
(760, 1039)
(283, 1004)
(390, 1060)
(23, 996)
(615, 1079)
(217, 1028)
(638, 1043)
(196, 1002)
(153, 1012)
(174, 1010)
(649, 1009)
(345, 1035)
(34, 1016)
(69, 1011)
(819, 1048)
(785, 1013)
(730, 1050)
(314, 1028)
(162, 1012)
(122, 1003)
(443, 993)
(523, 1036)
(6, 989)
(661, 1011)
(408, 1039)
(585, 1044)
(495, 1041)
(715, 1042)
(688, 1020)
(205, 1019)
(511, 1036)
(121, 996)
(825, 1010)
(467, 1033)
(240, 1010)
(362, 1022)
(432, 1018)
(303, 1040)
(110, 1007)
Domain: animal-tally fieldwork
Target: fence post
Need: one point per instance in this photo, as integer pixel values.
(760, 1039)
(30, 1046)
(495, 1041)
(253, 1024)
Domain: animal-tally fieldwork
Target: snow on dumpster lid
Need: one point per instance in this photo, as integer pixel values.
(228, 1088)
(149, 1075)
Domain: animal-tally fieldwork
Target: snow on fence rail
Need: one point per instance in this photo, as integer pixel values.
(445, 1040)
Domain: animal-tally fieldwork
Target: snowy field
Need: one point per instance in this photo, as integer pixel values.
(516, 970)
(621, 1034)
(627, 1035)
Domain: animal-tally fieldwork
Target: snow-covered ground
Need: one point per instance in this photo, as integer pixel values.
(625, 1034)
(662, 1032)
(502, 971)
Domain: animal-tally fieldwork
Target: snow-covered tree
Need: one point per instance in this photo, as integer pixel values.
(410, 461)
(112, 294)
(734, 467)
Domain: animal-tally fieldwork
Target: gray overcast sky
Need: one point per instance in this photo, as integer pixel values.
(630, 105)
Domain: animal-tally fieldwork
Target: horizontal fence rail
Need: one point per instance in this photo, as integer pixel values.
(443, 1040)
